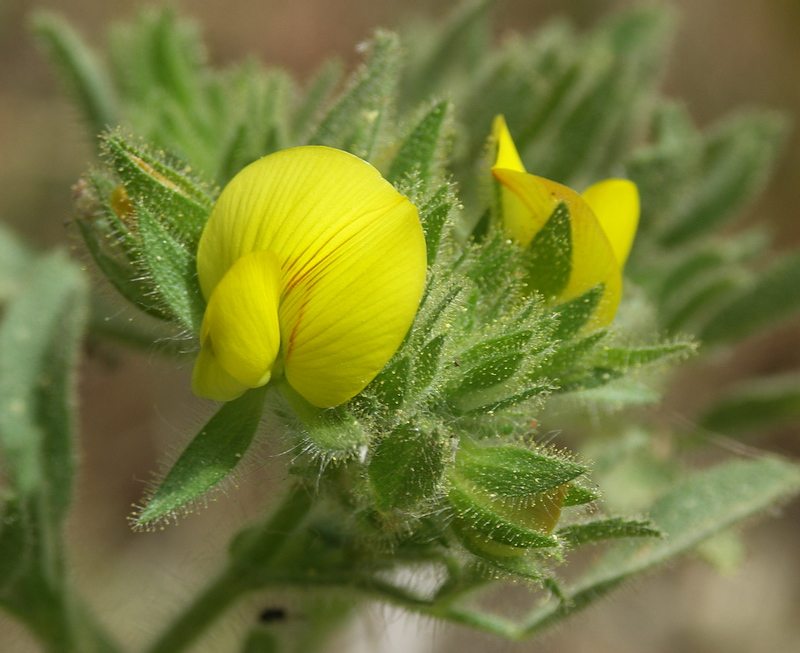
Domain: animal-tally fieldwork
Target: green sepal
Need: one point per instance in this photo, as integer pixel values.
(440, 301)
(594, 378)
(173, 271)
(208, 459)
(606, 529)
(548, 258)
(579, 496)
(391, 384)
(112, 260)
(406, 467)
(161, 186)
(491, 349)
(570, 356)
(423, 151)
(509, 471)
(427, 362)
(436, 215)
(485, 383)
(575, 313)
(510, 400)
(628, 357)
(478, 519)
(332, 434)
(513, 566)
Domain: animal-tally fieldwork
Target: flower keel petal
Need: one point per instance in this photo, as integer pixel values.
(241, 321)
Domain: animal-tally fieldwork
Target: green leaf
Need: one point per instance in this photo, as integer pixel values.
(458, 45)
(39, 343)
(693, 511)
(40, 337)
(81, 72)
(406, 467)
(173, 270)
(319, 89)
(578, 138)
(755, 405)
(176, 55)
(261, 640)
(422, 153)
(208, 459)
(367, 95)
(606, 529)
(701, 301)
(15, 258)
(548, 259)
(667, 170)
(261, 126)
(686, 272)
(773, 297)
(510, 471)
(735, 165)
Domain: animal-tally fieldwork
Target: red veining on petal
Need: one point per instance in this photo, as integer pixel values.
(300, 313)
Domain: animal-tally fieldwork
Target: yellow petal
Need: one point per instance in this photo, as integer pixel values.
(352, 256)
(592, 261)
(211, 381)
(507, 155)
(615, 202)
(534, 200)
(240, 325)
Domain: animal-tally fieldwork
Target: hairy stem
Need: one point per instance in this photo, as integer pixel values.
(257, 549)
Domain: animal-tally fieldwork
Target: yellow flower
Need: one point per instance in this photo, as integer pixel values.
(313, 266)
(575, 251)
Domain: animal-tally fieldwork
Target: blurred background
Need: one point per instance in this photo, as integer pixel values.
(727, 55)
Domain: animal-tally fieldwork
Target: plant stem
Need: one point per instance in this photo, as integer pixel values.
(256, 549)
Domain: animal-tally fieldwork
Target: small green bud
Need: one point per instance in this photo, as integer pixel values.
(508, 498)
